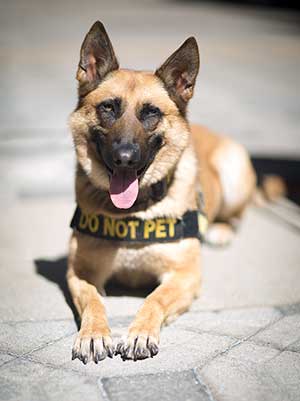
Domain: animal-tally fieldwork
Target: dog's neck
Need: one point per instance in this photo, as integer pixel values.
(175, 193)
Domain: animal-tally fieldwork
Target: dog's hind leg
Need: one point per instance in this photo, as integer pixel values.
(237, 177)
(237, 180)
(219, 234)
(179, 286)
(93, 342)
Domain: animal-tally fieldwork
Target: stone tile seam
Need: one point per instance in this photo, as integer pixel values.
(240, 341)
(28, 353)
(60, 367)
(237, 342)
(280, 309)
(231, 346)
(251, 341)
(203, 385)
(55, 367)
(102, 390)
(15, 322)
(284, 349)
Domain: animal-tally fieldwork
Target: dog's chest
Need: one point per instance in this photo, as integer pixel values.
(140, 265)
(144, 265)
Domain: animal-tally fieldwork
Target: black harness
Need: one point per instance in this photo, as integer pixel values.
(192, 224)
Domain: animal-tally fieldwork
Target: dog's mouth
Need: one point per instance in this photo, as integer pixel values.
(124, 186)
(124, 181)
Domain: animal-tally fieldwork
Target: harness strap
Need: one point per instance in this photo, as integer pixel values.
(193, 224)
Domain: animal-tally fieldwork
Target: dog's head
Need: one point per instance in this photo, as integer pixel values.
(129, 128)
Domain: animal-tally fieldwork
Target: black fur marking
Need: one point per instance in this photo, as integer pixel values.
(150, 116)
(109, 111)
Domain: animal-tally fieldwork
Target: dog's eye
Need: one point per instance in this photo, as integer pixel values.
(150, 111)
(107, 107)
(109, 111)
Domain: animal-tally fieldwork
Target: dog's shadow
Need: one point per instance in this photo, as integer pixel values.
(55, 271)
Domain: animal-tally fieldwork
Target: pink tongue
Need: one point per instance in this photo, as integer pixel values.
(124, 188)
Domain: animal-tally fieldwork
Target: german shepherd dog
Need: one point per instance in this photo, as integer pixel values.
(138, 157)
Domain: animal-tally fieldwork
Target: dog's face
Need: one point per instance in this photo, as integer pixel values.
(129, 127)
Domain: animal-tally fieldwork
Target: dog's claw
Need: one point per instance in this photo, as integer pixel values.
(110, 352)
(137, 348)
(142, 353)
(153, 349)
(74, 354)
(94, 348)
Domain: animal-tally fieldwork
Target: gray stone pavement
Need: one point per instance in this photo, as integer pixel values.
(241, 338)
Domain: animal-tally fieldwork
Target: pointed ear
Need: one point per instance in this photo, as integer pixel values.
(97, 58)
(180, 71)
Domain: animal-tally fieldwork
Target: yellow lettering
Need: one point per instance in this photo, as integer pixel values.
(202, 223)
(83, 221)
(149, 227)
(160, 230)
(93, 223)
(109, 227)
(121, 229)
(132, 227)
(171, 223)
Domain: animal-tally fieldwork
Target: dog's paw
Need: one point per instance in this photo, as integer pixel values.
(137, 346)
(219, 234)
(94, 347)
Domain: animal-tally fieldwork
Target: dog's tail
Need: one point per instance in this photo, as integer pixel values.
(271, 188)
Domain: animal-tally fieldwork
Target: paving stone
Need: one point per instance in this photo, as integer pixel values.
(259, 283)
(22, 380)
(5, 358)
(243, 374)
(36, 229)
(168, 386)
(20, 338)
(59, 353)
(235, 323)
(285, 369)
(282, 334)
(179, 350)
(290, 309)
(27, 295)
(295, 346)
(250, 353)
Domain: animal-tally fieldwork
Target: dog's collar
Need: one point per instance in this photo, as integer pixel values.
(192, 224)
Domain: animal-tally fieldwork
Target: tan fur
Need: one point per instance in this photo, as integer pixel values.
(195, 156)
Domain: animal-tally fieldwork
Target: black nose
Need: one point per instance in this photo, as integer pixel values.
(126, 155)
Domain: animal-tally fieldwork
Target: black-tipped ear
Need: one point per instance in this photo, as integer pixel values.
(97, 58)
(180, 71)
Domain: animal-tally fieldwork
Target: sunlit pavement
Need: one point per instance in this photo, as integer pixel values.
(241, 340)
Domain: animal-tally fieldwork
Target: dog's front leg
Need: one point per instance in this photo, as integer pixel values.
(171, 298)
(93, 341)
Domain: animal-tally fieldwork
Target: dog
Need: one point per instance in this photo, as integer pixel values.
(141, 172)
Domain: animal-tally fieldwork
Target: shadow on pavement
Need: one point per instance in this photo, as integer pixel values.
(55, 271)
